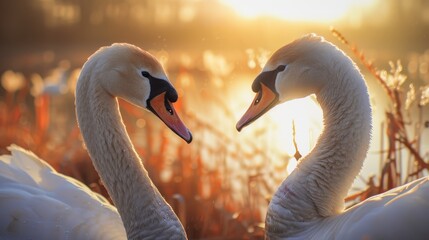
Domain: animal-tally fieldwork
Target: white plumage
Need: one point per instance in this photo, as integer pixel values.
(309, 204)
(36, 202)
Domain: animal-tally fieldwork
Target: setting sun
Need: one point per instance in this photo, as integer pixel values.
(305, 10)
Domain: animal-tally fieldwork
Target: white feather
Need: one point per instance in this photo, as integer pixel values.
(36, 202)
(309, 204)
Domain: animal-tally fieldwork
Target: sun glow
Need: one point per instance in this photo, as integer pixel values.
(306, 115)
(303, 10)
(274, 132)
(276, 125)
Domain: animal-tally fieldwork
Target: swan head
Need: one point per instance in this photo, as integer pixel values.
(136, 76)
(294, 71)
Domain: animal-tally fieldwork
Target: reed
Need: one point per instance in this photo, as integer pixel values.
(220, 184)
(402, 127)
(214, 184)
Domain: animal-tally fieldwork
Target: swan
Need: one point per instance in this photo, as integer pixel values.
(309, 203)
(36, 202)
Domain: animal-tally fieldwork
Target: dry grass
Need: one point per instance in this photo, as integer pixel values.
(218, 185)
(197, 179)
(400, 121)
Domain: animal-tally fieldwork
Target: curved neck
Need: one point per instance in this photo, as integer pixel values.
(143, 210)
(317, 187)
(342, 147)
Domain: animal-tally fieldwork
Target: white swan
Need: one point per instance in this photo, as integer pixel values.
(309, 202)
(36, 202)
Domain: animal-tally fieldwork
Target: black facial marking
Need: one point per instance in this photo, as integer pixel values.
(268, 78)
(158, 86)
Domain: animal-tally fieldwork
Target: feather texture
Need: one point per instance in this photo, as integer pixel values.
(36, 202)
(309, 204)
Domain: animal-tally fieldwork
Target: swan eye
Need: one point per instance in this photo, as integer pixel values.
(280, 68)
(168, 107)
(145, 74)
(258, 98)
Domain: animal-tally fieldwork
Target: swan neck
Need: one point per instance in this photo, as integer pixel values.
(342, 147)
(143, 210)
(317, 187)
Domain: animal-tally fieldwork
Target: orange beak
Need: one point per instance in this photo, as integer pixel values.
(164, 109)
(264, 100)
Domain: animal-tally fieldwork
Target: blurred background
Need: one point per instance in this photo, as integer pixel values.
(212, 50)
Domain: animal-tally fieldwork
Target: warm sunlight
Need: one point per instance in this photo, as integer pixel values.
(277, 124)
(303, 10)
(307, 116)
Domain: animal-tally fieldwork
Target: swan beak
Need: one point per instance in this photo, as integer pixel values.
(264, 100)
(164, 109)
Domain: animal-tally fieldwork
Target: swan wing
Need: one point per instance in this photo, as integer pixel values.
(36, 202)
(401, 213)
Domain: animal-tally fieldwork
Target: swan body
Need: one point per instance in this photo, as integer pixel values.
(309, 204)
(36, 202)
